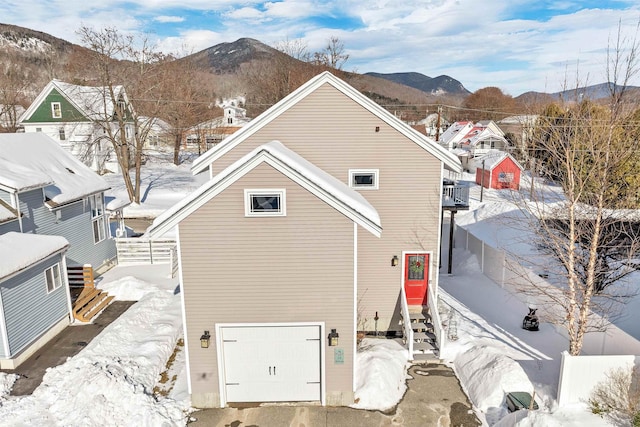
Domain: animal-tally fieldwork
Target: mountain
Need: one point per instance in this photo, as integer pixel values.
(440, 85)
(227, 58)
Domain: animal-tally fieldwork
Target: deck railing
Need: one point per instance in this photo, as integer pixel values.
(455, 195)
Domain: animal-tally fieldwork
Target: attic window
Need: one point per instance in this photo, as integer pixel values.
(264, 202)
(363, 179)
(56, 110)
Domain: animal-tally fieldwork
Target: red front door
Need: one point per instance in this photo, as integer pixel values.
(416, 278)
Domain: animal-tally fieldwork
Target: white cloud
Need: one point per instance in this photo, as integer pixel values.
(168, 19)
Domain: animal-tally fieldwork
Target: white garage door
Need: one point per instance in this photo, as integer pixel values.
(271, 363)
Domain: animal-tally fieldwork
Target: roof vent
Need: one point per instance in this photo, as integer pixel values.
(70, 170)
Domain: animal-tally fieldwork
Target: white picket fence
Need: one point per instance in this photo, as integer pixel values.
(144, 251)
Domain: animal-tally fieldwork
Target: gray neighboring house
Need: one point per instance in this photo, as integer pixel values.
(45, 190)
(35, 304)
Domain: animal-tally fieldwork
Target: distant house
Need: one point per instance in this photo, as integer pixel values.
(211, 132)
(46, 191)
(158, 133)
(477, 138)
(499, 170)
(321, 218)
(77, 117)
(35, 302)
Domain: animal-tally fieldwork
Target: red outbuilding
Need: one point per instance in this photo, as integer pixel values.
(498, 170)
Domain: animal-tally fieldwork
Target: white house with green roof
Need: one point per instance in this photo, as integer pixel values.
(78, 118)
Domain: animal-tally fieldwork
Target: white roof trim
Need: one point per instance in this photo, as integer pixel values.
(429, 145)
(323, 185)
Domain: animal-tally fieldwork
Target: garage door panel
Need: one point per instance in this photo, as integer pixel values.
(272, 363)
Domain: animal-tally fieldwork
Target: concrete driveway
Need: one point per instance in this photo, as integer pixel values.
(433, 398)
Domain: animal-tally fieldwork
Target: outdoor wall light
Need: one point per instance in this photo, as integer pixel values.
(205, 339)
(394, 261)
(333, 338)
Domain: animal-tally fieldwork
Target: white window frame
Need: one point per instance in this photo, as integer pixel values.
(98, 221)
(53, 278)
(250, 193)
(54, 110)
(374, 172)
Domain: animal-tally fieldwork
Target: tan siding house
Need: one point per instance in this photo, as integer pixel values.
(353, 200)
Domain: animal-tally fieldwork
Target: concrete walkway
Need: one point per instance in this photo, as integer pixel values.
(66, 344)
(434, 398)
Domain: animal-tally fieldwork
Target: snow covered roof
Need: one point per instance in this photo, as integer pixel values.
(493, 158)
(429, 145)
(17, 178)
(20, 250)
(113, 203)
(65, 178)
(325, 186)
(92, 101)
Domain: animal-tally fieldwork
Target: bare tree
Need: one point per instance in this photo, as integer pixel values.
(118, 61)
(333, 55)
(591, 246)
(14, 85)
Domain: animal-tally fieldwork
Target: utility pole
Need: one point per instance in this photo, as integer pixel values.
(438, 124)
(482, 181)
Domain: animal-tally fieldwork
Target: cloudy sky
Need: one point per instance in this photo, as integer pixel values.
(517, 45)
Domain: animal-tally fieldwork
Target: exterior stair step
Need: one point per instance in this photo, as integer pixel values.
(422, 347)
(90, 302)
(421, 326)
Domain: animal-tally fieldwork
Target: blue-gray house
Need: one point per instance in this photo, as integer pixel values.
(35, 303)
(45, 190)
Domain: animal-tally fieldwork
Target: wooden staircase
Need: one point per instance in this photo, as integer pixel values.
(91, 300)
(424, 339)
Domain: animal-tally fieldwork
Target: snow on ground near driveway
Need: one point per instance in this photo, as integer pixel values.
(110, 382)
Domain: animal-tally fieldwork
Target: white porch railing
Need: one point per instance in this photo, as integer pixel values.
(455, 195)
(406, 322)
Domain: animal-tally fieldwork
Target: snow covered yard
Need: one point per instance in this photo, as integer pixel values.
(111, 381)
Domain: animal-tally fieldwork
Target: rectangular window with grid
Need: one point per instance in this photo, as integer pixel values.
(96, 204)
(56, 110)
(53, 278)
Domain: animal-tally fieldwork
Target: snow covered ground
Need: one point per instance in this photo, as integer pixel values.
(118, 379)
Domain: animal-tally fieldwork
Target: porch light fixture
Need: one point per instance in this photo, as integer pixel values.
(394, 261)
(205, 339)
(333, 338)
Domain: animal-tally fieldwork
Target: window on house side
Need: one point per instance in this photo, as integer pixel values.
(265, 202)
(53, 278)
(61, 134)
(96, 203)
(363, 179)
(56, 110)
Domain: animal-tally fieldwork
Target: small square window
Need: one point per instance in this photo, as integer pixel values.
(56, 110)
(363, 179)
(264, 202)
(53, 278)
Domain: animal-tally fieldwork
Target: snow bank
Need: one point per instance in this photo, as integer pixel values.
(129, 288)
(6, 383)
(111, 381)
(488, 375)
(381, 374)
